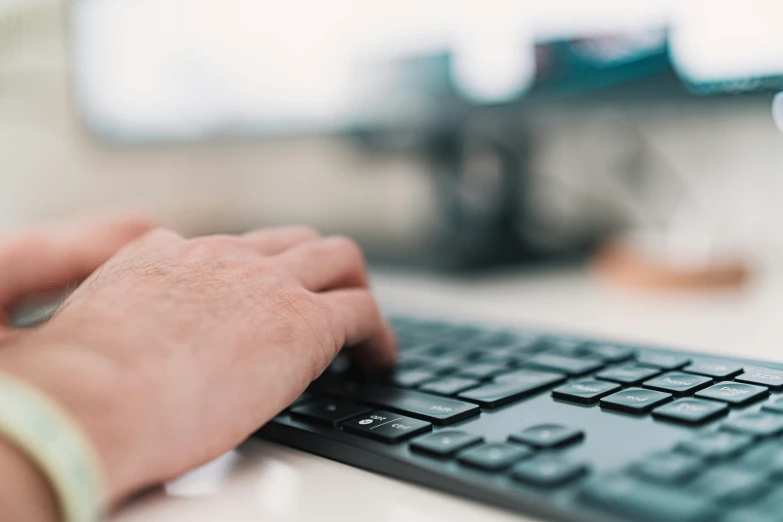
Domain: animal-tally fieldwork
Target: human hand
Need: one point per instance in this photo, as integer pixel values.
(54, 258)
(176, 350)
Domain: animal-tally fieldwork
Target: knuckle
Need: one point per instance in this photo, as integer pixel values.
(302, 233)
(348, 248)
(211, 246)
(159, 235)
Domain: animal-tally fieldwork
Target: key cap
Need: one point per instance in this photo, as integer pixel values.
(328, 411)
(506, 391)
(630, 499)
(771, 505)
(731, 484)
(733, 393)
(584, 392)
(445, 443)
(501, 358)
(766, 458)
(547, 472)
(716, 445)
(714, 368)
(662, 361)
(628, 374)
(678, 383)
(758, 424)
(765, 376)
(386, 426)
(412, 378)
(634, 400)
(566, 347)
(691, 411)
(444, 366)
(411, 362)
(482, 371)
(774, 404)
(499, 339)
(668, 468)
(611, 353)
(438, 410)
(449, 385)
(532, 377)
(562, 364)
(493, 457)
(548, 436)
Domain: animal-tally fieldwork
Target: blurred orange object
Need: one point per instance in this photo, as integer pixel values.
(633, 267)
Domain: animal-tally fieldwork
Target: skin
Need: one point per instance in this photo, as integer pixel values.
(174, 351)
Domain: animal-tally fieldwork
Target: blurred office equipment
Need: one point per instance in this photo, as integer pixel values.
(478, 135)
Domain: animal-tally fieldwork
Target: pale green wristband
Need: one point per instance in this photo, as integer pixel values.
(40, 428)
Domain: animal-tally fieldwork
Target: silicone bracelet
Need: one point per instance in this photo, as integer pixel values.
(40, 428)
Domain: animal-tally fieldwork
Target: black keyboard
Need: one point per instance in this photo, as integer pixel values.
(555, 427)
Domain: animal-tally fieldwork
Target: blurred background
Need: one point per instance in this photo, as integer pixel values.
(642, 138)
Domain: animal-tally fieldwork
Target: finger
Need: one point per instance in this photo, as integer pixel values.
(49, 258)
(368, 337)
(272, 241)
(334, 262)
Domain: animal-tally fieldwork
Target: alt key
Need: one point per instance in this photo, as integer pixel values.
(386, 427)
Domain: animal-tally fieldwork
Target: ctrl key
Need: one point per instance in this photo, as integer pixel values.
(386, 426)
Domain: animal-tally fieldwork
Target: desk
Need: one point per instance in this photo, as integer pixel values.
(261, 481)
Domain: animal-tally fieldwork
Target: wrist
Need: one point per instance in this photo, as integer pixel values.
(94, 392)
(25, 493)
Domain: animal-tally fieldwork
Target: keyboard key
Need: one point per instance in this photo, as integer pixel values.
(734, 393)
(691, 411)
(547, 472)
(766, 377)
(412, 378)
(678, 383)
(759, 424)
(498, 338)
(731, 484)
(493, 457)
(406, 361)
(584, 392)
(548, 436)
(635, 400)
(766, 458)
(443, 366)
(561, 364)
(663, 361)
(449, 385)
(502, 358)
(774, 404)
(668, 468)
(328, 411)
(445, 443)
(386, 426)
(482, 371)
(630, 499)
(506, 391)
(611, 353)
(628, 374)
(438, 410)
(714, 368)
(716, 445)
(532, 377)
(567, 347)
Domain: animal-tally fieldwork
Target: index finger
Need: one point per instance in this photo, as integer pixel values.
(366, 334)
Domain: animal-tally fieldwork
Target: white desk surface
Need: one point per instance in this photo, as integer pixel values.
(261, 481)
